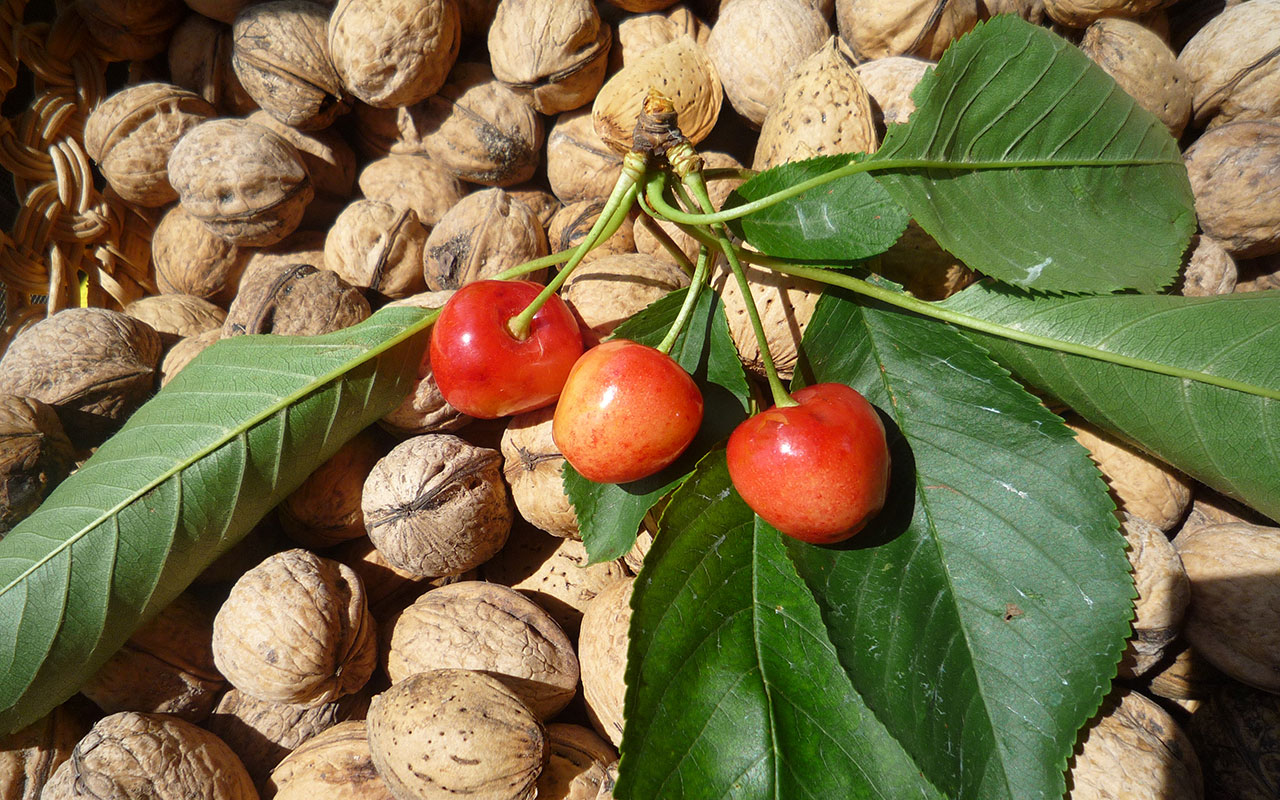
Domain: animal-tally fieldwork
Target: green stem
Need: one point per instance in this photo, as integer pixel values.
(662, 236)
(690, 300)
(619, 217)
(854, 167)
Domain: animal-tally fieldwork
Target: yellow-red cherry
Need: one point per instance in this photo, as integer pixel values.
(485, 370)
(817, 471)
(627, 411)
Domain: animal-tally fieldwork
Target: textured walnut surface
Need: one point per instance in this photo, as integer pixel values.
(602, 650)
(1141, 485)
(191, 259)
(1144, 66)
(394, 53)
(578, 764)
(377, 246)
(293, 298)
(785, 305)
(1163, 594)
(1235, 176)
(1234, 64)
(412, 181)
(29, 756)
(580, 166)
(610, 289)
(554, 50)
(485, 233)
(335, 765)
(325, 509)
(281, 56)
(880, 28)
(533, 466)
(890, 82)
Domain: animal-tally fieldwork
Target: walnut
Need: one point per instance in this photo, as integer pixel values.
(30, 755)
(555, 51)
(378, 247)
(263, 732)
(602, 651)
(1183, 675)
(823, 110)
(876, 28)
(130, 30)
(389, 588)
(131, 134)
(890, 82)
(281, 56)
(492, 629)
(1163, 593)
(718, 189)
(634, 559)
(1232, 64)
(552, 572)
(682, 72)
(183, 351)
(190, 259)
(477, 128)
(571, 224)
(923, 268)
(1144, 66)
(243, 181)
(1234, 617)
(1081, 13)
(539, 198)
(1236, 733)
(299, 247)
(150, 755)
(532, 464)
(782, 33)
(1134, 749)
(295, 300)
(92, 365)
(335, 765)
(174, 316)
(295, 629)
(1208, 269)
(608, 290)
(1211, 508)
(35, 455)
(577, 765)
(1235, 176)
(486, 233)
(200, 61)
(785, 304)
(580, 166)
(414, 182)
(330, 162)
(325, 509)
(436, 505)
(424, 409)
(165, 667)
(1141, 485)
(635, 36)
(393, 53)
(1030, 10)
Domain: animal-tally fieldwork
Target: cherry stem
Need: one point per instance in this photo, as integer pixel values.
(661, 234)
(619, 217)
(690, 300)
(623, 196)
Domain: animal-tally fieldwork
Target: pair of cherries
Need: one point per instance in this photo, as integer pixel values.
(624, 411)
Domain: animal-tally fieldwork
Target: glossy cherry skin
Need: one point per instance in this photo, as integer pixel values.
(482, 369)
(817, 471)
(627, 411)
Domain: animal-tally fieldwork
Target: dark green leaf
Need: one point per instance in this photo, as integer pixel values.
(734, 688)
(609, 514)
(982, 615)
(1012, 94)
(190, 473)
(847, 219)
(1227, 438)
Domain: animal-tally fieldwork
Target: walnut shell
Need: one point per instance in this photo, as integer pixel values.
(602, 651)
(263, 732)
(1140, 484)
(1236, 734)
(1233, 64)
(190, 259)
(130, 30)
(492, 629)
(281, 56)
(393, 53)
(1209, 269)
(571, 223)
(635, 36)
(294, 300)
(577, 765)
(412, 181)
(200, 61)
(823, 110)
(532, 464)
(246, 183)
(1134, 749)
(476, 127)
(552, 572)
(295, 629)
(450, 732)
(389, 588)
(1183, 675)
(682, 72)
(378, 247)
(174, 316)
(165, 667)
(1030, 10)
(168, 756)
(538, 197)
(221, 10)
(718, 190)
(132, 133)
(330, 162)
(580, 166)
(1234, 617)
(890, 81)
(436, 505)
(785, 304)
(424, 409)
(335, 764)
(35, 455)
(607, 290)
(476, 15)
(1081, 13)
(782, 34)
(1163, 594)
(30, 755)
(554, 51)
(1235, 176)
(486, 233)
(183, 351)
(92, 365)
(880, 28)
(325, 509)
(1144, 66)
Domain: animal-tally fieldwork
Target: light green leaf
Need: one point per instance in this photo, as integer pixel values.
(189, 474)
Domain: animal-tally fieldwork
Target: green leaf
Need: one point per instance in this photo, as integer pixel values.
(609, 514)
(734, 689)
(1026, 161)
(982, 616)
(1228, 438)
(189, 474)
(847, 219)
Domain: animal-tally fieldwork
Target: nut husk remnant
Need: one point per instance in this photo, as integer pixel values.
(191, 259)
(492, 629)
(682, 72)
(378, 247)
(294, 300)
(281, 57)
(533, 464)
(436, 505)
(876, 29)
(448, 733)
(295, 629)
(1163, 594)
(412, 181)
(487, 232)
(393, 53)
(1235, 176)
(335, 764)
(602, 651)
(35, 455)
(555, 51)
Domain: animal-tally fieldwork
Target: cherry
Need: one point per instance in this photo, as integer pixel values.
(485, 370)
(627, 411)
(817, 471)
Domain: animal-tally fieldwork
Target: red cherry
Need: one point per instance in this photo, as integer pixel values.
(482, 369)
(627, 411)
(817, 471)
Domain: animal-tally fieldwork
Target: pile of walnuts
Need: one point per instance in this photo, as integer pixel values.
(417, 620)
